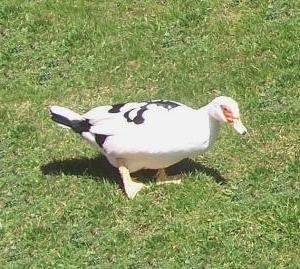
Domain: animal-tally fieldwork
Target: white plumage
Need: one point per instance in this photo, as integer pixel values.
(154, 134)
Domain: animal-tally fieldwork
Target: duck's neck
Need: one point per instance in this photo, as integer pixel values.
(214, 124)
(214, 127)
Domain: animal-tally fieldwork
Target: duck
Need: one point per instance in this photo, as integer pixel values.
(150, 135)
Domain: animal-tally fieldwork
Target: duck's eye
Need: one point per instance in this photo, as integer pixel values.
(225, 109)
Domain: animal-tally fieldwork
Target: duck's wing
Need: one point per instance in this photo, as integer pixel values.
(121, 118)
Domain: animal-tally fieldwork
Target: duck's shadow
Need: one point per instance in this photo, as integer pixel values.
(99, 167)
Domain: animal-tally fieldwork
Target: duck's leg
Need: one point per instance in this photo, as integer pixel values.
(163, 178)
(131, 187)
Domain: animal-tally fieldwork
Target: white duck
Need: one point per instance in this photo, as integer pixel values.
(153, 135)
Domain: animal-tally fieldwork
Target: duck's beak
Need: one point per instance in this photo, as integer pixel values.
(239, 126)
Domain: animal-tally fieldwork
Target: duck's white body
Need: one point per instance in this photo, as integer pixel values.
(166, 136)
(152, 135)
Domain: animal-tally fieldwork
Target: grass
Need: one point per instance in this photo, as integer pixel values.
(60, 208)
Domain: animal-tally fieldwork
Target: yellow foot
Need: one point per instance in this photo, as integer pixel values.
(163, 178)
(132, 188)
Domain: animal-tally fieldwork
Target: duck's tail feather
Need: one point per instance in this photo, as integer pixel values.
(67, 118)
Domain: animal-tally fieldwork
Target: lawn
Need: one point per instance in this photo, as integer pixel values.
(60, 206)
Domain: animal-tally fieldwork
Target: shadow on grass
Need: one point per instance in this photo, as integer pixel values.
(99, 168)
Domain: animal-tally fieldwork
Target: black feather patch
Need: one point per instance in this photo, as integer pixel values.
(126, 115)
(165, 104)
(138, 119)
(100, 139)
(80, 126)
(61, 119)
(116, 108)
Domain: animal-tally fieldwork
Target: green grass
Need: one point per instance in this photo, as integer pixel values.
(59, 208)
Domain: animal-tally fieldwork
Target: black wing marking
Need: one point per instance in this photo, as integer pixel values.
(84, 126)
(126, 115)
(138, 119)
(116, 108)
(165, 104)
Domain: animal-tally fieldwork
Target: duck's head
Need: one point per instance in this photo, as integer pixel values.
(225, 109)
